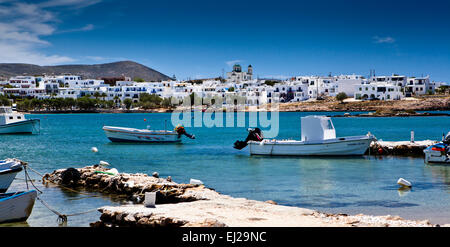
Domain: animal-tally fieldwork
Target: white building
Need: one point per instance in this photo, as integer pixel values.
(238, 76)
(418, 86)
(380, 90)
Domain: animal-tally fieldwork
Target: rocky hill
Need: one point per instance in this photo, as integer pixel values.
(116, 69)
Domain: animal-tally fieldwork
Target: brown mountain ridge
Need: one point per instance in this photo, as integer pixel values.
(94, 71)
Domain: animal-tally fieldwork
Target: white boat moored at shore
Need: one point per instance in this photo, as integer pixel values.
(12, 122)
(318, 139)
(123, 134)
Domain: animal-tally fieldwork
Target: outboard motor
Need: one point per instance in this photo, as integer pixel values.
(446, 140)
(253, 135)
(181, 131)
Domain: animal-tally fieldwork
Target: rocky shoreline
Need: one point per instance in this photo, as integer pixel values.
(331, 105)
(192, 205)
(394, 114)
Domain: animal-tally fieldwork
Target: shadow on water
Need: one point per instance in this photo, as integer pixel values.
(78, 193)
(15, 224)
(143, 143)
(19, 134)
(301, 157)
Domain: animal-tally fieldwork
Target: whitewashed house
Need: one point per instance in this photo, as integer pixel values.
(380, 91)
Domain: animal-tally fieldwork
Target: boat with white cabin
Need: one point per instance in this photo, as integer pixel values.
(318, 139)
(124, 134)
(12, 122)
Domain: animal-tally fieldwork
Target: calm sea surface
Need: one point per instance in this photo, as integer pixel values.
(337, 185)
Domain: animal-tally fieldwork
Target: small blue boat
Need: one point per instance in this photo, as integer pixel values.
(16, 207)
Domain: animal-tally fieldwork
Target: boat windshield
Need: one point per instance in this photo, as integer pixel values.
(5, 110)
(329, 125)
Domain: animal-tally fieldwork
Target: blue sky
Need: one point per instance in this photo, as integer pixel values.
(197, 39)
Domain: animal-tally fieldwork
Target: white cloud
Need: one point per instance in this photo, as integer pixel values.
(24, 26)
(68, 3)
(105, 59)
(383, 40)
(22, 53)
(88, 27)
(233, 62)
(96, 58)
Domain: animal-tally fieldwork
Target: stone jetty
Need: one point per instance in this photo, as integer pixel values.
(188, 205)
(403, 148)
(132, 186)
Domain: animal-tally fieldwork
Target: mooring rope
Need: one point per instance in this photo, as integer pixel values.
(64, 187)
(62, 218)
(27, 176)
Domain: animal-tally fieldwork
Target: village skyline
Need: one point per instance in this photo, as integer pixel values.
(201, 39)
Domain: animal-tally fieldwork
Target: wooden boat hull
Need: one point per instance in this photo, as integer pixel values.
(346, 146)
(15, 207)
(23, 127)
(119, 134)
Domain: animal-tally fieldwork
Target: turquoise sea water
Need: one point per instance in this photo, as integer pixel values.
(336, 185)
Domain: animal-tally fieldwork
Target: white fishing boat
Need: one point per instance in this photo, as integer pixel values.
(318, 139)
(8, 171)
(439, 152)
(12, 122)
(123, 134)
(15, 207)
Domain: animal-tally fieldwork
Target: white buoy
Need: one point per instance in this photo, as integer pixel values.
(94, 149)
(195, 181)
(404, 183)
(103, 163)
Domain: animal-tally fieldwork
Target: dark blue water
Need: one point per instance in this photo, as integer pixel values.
(338, 185)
